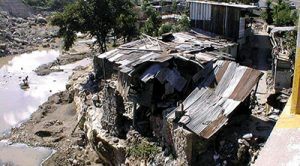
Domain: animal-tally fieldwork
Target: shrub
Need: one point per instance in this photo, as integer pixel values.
(143, 150)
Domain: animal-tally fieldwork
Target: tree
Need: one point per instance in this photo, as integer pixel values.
(184, 23)
(267, 14)
(96, 17)
(126, 26)
(282, 14)
(153, 21)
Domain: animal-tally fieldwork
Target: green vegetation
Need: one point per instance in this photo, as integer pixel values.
(283, 15)
(143, 150)
(174, 6)
(126, 25)
(165, 28)
(183, 24)
(99, 18)
(290, 43)
(280, 14)
(153, 21)
(116, 18)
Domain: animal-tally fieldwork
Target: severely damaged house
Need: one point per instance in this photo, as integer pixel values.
(184, 80)
(226, 19)
(223, 87)
(282, 55)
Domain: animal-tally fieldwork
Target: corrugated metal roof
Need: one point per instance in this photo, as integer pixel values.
(283, 29)
(130, 55)
(225, 85)
(242, 6)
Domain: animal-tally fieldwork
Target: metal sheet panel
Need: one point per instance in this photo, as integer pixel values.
(242, 28)
(207, 108)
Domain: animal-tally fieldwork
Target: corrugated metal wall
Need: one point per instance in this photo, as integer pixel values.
(222, 20)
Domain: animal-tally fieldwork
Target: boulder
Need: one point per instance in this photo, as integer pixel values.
(41, 20)
(3, 46)
(20, 41)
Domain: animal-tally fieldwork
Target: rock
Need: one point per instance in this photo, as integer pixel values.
(248, 136)
(75, 162)
(45, 45)
(42, 133)
(20, 41)
(80, 143)
(41, 20)
(57, 100)
(2, 46)
(115, 140)
(244, 142)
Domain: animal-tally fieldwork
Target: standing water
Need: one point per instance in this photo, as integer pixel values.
(16, 104)
(21, 154)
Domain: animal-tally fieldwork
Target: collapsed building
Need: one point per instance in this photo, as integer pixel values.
(282, 56)
(179, 91)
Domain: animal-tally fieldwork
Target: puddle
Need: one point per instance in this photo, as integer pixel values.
(21, 154)
(16, 105)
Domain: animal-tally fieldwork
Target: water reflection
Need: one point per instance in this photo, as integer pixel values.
(16, 105)
(21, 154)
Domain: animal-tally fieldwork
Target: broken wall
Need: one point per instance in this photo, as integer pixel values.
(113, 109)
(103, 68)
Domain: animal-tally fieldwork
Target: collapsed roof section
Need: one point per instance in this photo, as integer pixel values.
(225, 85)
(178, 65)
(194, 46)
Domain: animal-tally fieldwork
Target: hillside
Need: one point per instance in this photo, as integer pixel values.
(16, 8)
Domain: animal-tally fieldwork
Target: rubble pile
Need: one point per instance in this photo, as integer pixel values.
(18, 35)
(283, 40)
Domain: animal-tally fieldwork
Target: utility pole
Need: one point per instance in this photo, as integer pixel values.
(295, 107)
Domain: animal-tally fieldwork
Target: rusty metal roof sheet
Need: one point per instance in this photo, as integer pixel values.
(225, 85)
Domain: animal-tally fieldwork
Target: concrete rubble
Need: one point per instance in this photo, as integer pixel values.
(283, 40)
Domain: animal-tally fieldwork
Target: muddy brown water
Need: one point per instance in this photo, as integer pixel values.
(16, 104)
(21, 154)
